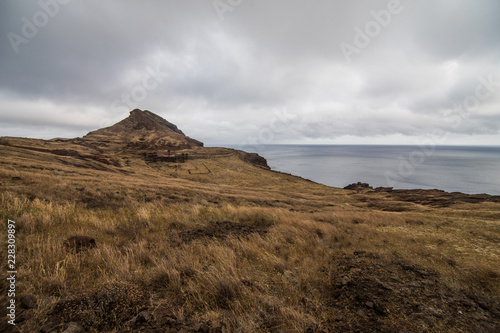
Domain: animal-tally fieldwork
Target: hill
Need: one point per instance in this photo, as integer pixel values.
(210, 240)
(141, 130)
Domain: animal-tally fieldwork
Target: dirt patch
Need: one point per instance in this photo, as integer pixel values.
(371, 294)
(222, 230)
(79, 243)
(164, 322)
(109, 307)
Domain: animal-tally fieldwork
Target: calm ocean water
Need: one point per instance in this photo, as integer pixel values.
(471, 169)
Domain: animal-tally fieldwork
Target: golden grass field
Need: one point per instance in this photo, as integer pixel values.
(219, 245)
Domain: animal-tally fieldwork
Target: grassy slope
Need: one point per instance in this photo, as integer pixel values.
(219, 241)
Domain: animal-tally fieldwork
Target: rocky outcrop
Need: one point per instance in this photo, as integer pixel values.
(254, 158)
(141, 130)
(358, 186)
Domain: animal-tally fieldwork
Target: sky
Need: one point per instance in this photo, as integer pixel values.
(255, 71)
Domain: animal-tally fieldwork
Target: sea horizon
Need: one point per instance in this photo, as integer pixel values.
(471, 169)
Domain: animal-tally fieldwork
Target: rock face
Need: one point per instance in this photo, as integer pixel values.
(254, 158)
(142, 130)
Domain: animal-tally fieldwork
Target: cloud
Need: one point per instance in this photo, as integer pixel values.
(224, 80)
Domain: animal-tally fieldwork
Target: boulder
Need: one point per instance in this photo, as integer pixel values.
(73, 328)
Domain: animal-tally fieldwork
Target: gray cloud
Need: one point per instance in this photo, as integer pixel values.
(225, 80)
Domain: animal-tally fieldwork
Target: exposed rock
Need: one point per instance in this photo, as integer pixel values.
(345, 280)
(79, 243)
(254, 158)
(28, 302)
(143, 317)
(73, 328)
(358, 186)
(361, 313)
(380, 309)
(439, 198)
(141, 130)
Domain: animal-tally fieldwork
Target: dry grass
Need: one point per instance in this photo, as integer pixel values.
(241, 247)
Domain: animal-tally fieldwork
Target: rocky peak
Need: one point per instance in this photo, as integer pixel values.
(139, 119)
(142, 130)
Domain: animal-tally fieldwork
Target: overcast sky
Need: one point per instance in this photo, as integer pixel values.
(258, 71)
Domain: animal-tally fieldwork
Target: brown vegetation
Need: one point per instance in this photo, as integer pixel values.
(240, 248)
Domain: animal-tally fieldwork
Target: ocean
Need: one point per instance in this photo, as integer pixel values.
(467, 169)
